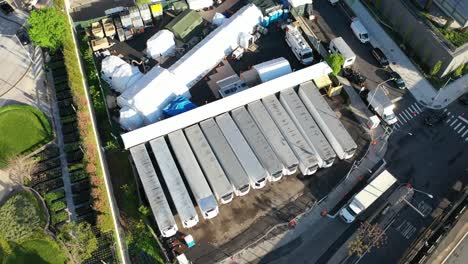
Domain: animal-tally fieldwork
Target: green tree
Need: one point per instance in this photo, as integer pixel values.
(458, 71)
(335, 60)
(48, 27)
(142, 2)
(79, 239)
(436, 68)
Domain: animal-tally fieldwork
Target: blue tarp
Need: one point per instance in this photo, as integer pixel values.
(178, 106)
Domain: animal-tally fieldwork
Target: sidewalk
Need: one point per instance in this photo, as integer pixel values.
(312, 224)
(419, 87)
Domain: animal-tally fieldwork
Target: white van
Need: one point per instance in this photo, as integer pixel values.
(338, 45)
(360, 31)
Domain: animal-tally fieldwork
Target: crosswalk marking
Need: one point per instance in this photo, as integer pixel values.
(449, 119)
(402, 117)
(416, 105)
(414, 110)
(455, 128)
(455, 120)
(461, 129)
(465, 133)
(407, 115)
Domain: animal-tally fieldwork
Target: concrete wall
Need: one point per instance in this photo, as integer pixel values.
(419, 38)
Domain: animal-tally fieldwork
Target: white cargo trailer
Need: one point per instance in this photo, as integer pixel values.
(193, 174)
(257, 174)
(329, 123)
(215, 175)
(226, 157)
(258, 143)
(154, 192)
(274, 137)
(308, 161)
(179, 194)
(307, 126)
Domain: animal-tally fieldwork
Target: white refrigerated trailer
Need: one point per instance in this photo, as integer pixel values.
(215, 175)
(226, 157)
(308, 162)
(257, 174)
(258, 143)
(329, 123)
(274, 137)
(193, 174)
(179, 194)
(154, 192)
(307, 126)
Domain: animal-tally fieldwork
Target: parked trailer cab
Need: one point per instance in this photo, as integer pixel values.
(365, 198)
(215, 175)
(360, 31)
(194, 175)
(154, 192)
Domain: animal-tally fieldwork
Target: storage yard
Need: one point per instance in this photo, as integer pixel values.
(225, 115)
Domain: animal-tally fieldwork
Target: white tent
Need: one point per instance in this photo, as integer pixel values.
(124, 76)
(199, 4)
(151, 93)
(160, 44)
(272, 69)
(130, 119)
(296, 3)
(108, 65)
(220, 43)
(218, 19)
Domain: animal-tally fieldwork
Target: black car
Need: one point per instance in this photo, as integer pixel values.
(434, 118)
(398, 80)
(23, 37)
(463, 99)
(6, 7)
(380, 57)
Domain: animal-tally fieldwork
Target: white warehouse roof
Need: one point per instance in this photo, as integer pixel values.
(215, 108)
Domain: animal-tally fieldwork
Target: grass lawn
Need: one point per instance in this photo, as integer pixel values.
(23, 128)
(38, 251)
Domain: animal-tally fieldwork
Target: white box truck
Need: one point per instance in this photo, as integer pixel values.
(298, 45)
(365, 198)
(382, 105)
(360, 31)
(338, 45)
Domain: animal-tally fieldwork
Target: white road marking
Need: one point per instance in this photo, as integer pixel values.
(461, 129)
(448, 120)
(402, 117)
(397, 99)
(414, 110)
(455, 120)
(407, 114)
(417, 105)
(465, 133)
(463, 119)
(445, 110)
(455, 128)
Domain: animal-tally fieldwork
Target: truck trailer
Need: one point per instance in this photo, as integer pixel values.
(308, 161)
(179, 194)
(194, 175)
(365, 198)
(257, 174)
(307, 126)
(154, 192)
(226, 157)
(258, 143)
(274, 137)
(326, 119)
(215, 175)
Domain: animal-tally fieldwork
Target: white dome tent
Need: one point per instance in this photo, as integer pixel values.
(160, 44)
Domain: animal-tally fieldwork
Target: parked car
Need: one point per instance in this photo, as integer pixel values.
(435, 118)
(6, 7)
(23, 37)
(398, 80)
(463, 99)
(380, 57)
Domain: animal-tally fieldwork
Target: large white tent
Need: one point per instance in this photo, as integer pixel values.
(220, 43)
(272, 69)
(160, 44)
(130, 119)
(199, 4)
(119, 74)
(297, 3)
(108, 65)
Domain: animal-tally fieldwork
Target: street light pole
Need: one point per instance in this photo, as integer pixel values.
(440, 89)
(378, 87)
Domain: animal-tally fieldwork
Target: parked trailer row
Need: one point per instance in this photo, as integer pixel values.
(193, 174)
(258, 143)
(226, 157)
(242, 150)
(215, 175)
(308, 162)
(307, 126)
(274, 137)
(175, 184)
(154, 192)
(329, 123)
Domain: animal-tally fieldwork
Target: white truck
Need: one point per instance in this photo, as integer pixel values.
(298, 44)
(365, 198)
(360, 31)
(382, 105)
(338, 45)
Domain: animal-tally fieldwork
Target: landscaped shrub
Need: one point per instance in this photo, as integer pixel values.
(436, 68)
(44, 187)
(458, 71)
(78, 175)
(54, 195)
(59, 217)
(74, 167)
(44, 176)
(57, 206)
